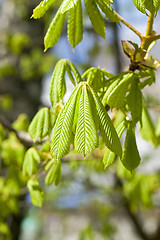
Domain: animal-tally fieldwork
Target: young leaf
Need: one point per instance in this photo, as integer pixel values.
(75, 71)
(58, 85)
(40, 125)
(35, 192)
(86, 137)
(108, 131)
(107, 9)
(54, 174)
(130, 157)
(148, 129)
(158, 128)
(62, 133)
(54, 31)
(95, 17)
(42, 8)
(140, 5)
(75, 25)
(67, 5)
(110, 156)
(30, 159)
(115, 94)
(134, 100)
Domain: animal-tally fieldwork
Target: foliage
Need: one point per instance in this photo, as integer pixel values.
(82, 125)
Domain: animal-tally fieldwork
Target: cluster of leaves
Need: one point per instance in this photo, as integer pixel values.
(83, 118)
(75, 19)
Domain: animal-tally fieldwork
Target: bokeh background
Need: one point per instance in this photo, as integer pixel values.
(88, 204)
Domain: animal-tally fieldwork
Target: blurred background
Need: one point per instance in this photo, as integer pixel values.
(90, 203)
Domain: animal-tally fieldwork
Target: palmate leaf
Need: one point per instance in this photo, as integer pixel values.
(107, 9)
(150, 5)
(75, 25)
(40, 126)
(31, 159)
(54, 31)
(148, 128)
(35, 192)
(110, 156)
(54, 174)
(95, 17)
(42, 8)
(62, 133)
(134, 101)
(108, 131)
(115, 94)
(58, 84)
(86, 137)
(130, 157)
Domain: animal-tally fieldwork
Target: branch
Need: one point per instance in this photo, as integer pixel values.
(149, 24)
(121, 19)
(23, 137)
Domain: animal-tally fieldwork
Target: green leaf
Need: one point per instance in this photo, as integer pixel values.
(75, 71)
(130, 157)
(42, 8)
(86, 137)
(156, 4)
(110, 156)
(95, 17)
(106, 126)
(58, 84)
(158, 128)
(115, 94)
(107, 9)
(75, 25)
(35, 192)
(67, 5)
(62, 133)
(148, 128)
(31, 159)
(134, 100)
(54, 31)
(40, 125)
(54, 174)
(140, 5)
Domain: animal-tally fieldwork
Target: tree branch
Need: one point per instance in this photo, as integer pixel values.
(121, 19)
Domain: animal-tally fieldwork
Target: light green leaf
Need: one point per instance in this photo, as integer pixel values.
(95, 17)
(58, 84)
(35, 192)
(86, 137)
(40, 125)
(106, 126)
(67, 5)
(134, 100)
(148, 128)
(54, 174)
(75, 71)
(107, 9)
(31, 159)
(156, 4)
(110, 156)
(62, 133)
(140, 5)
(42, 8)
(54, 31)
(115, 94)
(75, 25)
(158, 128)
(130, 156)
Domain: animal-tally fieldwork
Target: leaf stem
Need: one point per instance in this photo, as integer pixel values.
(121, 19)
(150, 24)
